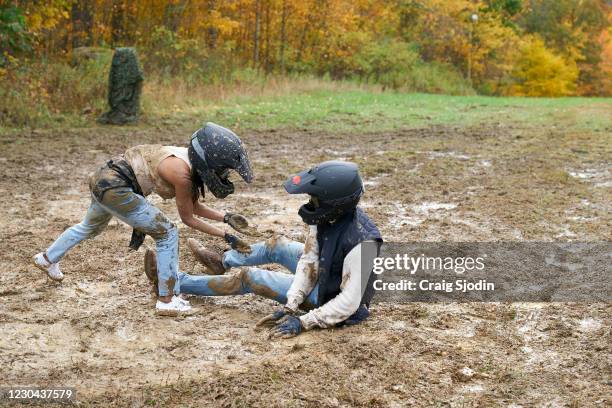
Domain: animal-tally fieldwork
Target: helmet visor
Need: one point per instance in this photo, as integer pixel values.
(244, 168)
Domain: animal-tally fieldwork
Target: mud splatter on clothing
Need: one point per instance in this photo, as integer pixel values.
(348, 300)
(306, 273)
(227, 284)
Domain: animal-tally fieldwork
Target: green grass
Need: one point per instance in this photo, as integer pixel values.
(349, 111)
(339, 107)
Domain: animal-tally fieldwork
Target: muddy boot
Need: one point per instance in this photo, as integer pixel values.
(211, 260)
(150, 268)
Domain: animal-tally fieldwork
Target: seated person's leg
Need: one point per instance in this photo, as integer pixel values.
(280, 250)
(269, 284)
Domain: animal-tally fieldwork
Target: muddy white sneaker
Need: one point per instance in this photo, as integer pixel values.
(183, 300)
(52, 269)
(173, 308)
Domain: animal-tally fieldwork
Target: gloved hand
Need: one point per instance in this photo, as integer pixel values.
(271, 319)
(359, 316)
(237, 243)
(287, 327)
(240, 224)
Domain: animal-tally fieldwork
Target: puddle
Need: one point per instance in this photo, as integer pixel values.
(414, 215)
(565, 232)
(580, 218)
(127, 334)
(452, 154)
(338, 154)
(605, 184)
(399, 325)
(400, 218)
(374, 181)
(589, 324)
(426, 207)
(601, 178)
(473, 388)
(585, 174)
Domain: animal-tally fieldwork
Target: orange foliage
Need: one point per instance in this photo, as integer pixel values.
(332, 36)
(605, 40)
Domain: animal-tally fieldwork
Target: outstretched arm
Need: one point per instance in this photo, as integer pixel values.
(176, 172)
(202, 210)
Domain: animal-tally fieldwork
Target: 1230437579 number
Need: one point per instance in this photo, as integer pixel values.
(34, 393)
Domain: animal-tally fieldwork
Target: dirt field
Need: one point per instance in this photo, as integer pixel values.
(97, 330)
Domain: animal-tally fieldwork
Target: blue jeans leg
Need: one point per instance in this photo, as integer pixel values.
(136, 211)
(281, 251)
(269, 284)
(95, 222)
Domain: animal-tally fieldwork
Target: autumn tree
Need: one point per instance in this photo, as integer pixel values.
(371, 40)
(540, 72)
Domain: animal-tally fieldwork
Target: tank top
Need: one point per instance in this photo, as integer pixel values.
(144, 160)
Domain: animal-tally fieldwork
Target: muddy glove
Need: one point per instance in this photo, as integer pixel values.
(237, 244)
(359, 316)
(240, 224)
(273, 318)
(287, 327)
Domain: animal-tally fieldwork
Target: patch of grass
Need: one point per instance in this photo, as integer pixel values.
(367, 111)
(301, 103)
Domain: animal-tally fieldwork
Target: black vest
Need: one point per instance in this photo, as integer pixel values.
(335, 242)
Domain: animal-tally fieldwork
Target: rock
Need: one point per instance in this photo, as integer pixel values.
(465, 374)
(124, 88)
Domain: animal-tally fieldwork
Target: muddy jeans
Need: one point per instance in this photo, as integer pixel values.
(136, 211)
(270, 284)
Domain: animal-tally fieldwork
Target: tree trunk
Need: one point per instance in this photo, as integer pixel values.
(309, 22)
(283, 39)
(116, 21)
(267, 55)
(256, 34)
(212, 33)
(81, 17)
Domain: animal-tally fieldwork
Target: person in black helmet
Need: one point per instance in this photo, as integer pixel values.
(330, 276)
(119, 188)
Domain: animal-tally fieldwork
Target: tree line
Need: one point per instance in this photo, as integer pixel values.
(498, 47)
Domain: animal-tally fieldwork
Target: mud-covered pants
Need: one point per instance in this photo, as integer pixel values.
(136, 211)
(270, 284)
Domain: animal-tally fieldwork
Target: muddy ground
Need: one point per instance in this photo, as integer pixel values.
(97, 330)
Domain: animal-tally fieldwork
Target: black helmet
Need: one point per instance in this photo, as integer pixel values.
(213, 151)
(335, 188)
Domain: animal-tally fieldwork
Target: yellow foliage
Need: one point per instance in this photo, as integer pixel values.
(606, 61)
(45, 15)
(330, 36)
(540, 72)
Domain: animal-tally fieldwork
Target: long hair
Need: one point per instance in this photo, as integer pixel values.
(197, 185)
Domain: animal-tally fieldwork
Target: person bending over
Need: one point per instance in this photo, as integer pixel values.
(330, 276)
(119, 187)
